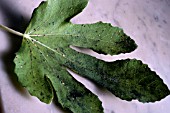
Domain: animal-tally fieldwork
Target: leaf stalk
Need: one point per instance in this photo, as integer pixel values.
(11, 30)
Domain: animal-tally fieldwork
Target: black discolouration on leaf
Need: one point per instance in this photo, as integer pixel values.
(44, 56)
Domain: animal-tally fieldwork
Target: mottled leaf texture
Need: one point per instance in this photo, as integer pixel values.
(45, 55)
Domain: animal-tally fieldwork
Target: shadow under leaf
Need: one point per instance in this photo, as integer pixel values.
(17, 22)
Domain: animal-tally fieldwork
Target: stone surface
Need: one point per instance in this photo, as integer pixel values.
(146, 21)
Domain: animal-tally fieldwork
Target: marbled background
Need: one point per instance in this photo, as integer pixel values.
(146, 21)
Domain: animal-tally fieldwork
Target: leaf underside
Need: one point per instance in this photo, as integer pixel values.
(44, 56)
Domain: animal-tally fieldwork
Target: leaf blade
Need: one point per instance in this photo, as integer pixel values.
(101, 37)
(27, 73)
(70, 93)
(74, 96)
(49, 36)
(127, 79)
(52, 14)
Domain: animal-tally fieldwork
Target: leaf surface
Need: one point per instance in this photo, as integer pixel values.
(44, 56)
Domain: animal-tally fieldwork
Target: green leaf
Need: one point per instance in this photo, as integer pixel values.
(45, 55)
(128, 79)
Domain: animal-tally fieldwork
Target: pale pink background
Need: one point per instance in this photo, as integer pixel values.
(146, 21)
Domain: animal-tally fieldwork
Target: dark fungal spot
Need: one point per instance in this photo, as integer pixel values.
(33, 90)
(74, 94)
(136, 93)
(24, 63)
(41, 94)
(48, 96)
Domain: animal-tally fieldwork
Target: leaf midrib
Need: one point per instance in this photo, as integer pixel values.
(55, 51)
